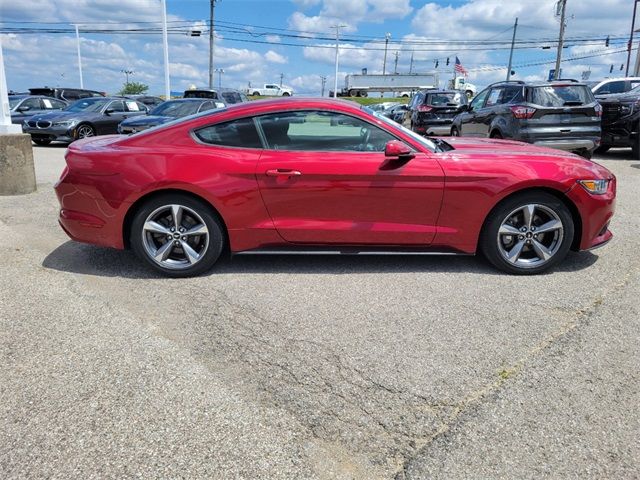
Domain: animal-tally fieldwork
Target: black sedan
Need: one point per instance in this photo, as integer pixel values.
(167, 111)
(22, 107)
(84, 118)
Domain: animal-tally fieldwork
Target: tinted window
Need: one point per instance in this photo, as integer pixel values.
(231, 97)
(443, 99)
(52, 104)
(206, 106)
(322, 131)
(32, 103)
(200, 94)
(479, 100)
(238, 133)
(176, 108)
(612, 87)
(117, 106)
(511, 95)
(561, 95)
(494, 97)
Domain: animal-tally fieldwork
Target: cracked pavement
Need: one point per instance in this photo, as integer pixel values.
(315, 367)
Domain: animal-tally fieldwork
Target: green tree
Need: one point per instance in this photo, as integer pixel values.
(133, 88)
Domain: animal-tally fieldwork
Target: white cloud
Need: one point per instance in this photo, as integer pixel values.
(275, 57)
(273, 38)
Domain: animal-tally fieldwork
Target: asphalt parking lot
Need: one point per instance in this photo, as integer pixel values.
(315, 367)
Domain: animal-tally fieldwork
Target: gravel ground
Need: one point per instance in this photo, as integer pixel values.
(315, 367)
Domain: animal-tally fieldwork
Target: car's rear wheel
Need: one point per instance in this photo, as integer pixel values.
(527, 233)
(84, 131)
(455, 132)
(43, 142)
(285, 94)
(255, 94)
(602, 149)
(177, 235)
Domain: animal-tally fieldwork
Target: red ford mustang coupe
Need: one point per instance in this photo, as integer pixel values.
(322, 175)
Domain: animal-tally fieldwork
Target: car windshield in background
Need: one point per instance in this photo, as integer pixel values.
(418, 138)
(453, 98)
(87, 105)
(175, 109)
(14, 101)
(561, 95)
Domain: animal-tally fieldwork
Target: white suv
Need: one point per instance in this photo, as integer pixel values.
(614, 85)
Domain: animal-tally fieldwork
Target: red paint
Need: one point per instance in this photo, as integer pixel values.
(271, 198)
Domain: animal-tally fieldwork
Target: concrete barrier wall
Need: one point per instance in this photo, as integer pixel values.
(17, 173)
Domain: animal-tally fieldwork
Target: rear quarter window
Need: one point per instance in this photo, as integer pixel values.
(240, 133)
(561, 95)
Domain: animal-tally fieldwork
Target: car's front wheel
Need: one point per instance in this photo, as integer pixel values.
(84, 131)
(527, 233)
(177, 235)
(43, 142)
(455, 132)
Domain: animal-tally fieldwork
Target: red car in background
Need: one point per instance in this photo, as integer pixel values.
(327, 175)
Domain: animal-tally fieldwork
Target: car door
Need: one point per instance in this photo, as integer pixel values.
(27, 108)
(133, 108)
(113, 114)
(468, 126)
(486, 114)
(325, 179)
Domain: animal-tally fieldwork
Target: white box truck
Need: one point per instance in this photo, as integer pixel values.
(360, 85)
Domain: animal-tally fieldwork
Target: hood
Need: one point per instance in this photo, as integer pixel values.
(619, 97)
(501, 148)
(62, 115)
(146, 120)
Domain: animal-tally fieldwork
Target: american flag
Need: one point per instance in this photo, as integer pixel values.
(459, 68)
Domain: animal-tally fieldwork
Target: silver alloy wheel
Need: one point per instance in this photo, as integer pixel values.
(175, 237)
(85, 131)
(530, 235)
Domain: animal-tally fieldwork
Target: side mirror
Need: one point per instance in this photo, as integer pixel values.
(395, 149)
(26, 108)
(109, 111)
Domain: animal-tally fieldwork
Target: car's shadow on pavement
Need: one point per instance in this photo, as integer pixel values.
(85, 259)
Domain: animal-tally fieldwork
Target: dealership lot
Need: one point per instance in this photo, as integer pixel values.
(315, 367)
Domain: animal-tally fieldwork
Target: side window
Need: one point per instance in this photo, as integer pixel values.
(53, 104)
(635, 83)
(117, 106)
(32, 103)
(494, 97)
(207, 106)
(512, 95)
(71, 95)
(611, 87)
(319, 131)
(477, 102)
(238, 133)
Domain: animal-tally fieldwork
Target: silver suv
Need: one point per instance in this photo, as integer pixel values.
(562, 114)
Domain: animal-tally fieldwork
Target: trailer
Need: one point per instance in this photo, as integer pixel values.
(360, 85)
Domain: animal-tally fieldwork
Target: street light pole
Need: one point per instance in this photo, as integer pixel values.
(513, 41)
(212, 4)
(127, 73)
(335, 80)
(165, 43)
(323, 78)
(79, 56)
(630, 45)
(563, 6)
(219, 71)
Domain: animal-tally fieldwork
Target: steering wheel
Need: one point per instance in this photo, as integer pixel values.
(365, 134)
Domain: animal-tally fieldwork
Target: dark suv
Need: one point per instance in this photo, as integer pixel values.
(563, 114)
(431, 112)
(621, 121)
(227, 95)
(66, 94)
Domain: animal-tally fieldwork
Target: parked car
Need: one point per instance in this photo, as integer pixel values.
(621, 122)
(381, 107)
(149, 100)
(67, 94)
(226, 95)
(282, 175)
(396, 113)
(563, 115)
(431, 112)
(22, 107)
(167, 111)
(614, 85)
(83, 118)
(271, 90)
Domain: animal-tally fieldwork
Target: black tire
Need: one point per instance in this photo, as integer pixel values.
(497, 246)
(455, 132)
(43, 142)
(496, 134)
(285, 94)
(602, 149)
(255, 94)
(586, 154)
(142, 240)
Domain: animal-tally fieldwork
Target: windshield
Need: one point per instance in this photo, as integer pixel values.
(175, 109)
(87, 105)
(418, 138)
(561, 95)
(13, 102)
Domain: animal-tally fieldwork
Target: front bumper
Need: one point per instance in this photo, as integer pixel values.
(52, 133)
(438, 129)
(596, 212)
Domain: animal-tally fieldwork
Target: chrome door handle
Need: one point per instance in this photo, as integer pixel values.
(282, 172)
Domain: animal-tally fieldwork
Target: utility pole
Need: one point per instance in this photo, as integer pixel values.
(323, 78)
(411, 64)
(395, 67)
(562, 6)
(165, 45)
(513, 42)
(335, 80)
(79, 57)
(281, 77)
(386, 45)
(630, 45)
(636, 70)
(212, 4)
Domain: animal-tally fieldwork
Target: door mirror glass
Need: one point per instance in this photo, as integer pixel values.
(24, 108)
(397, 149)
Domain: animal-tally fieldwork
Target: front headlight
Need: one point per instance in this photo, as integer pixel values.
(66, 123)
(595, 187)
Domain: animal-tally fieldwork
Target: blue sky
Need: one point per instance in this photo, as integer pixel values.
(429, 30)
